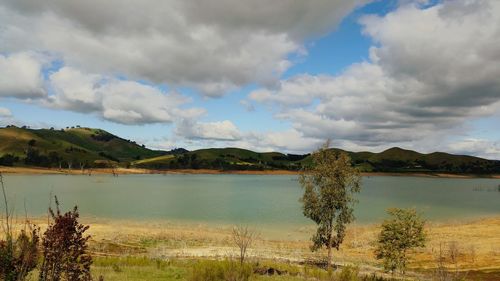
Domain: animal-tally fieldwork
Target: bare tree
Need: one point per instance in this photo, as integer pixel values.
(440, 274)
(243, 237)
(453, 253)
(472, 251)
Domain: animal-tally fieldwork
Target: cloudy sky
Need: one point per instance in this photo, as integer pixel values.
(265, 75)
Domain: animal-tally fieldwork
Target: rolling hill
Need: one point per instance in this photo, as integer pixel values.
(72, 146)
(393, 160)
(224, 159)
(97, 148)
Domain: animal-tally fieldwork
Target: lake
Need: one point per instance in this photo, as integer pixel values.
(261, 200)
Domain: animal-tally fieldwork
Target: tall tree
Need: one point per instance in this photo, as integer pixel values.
(329, 187)
(401, 233)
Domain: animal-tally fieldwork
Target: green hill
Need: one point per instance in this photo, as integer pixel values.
(72, 146)
(392, 160)
(223, 159)
(97, 148)
(400, 160)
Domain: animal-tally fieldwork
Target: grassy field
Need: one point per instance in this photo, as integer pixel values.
(159, 250)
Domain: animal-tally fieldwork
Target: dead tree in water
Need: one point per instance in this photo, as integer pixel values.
(82, 167)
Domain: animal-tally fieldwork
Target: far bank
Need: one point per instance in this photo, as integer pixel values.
(138, 171)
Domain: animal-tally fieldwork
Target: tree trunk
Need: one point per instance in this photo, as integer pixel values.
(329, 246)
(329, 256)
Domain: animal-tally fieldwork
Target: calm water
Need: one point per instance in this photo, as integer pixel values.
(245, 199)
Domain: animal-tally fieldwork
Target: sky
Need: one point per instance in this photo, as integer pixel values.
(263, 75)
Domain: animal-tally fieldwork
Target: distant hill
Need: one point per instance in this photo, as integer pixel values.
(97, 148)
(401, 160)
(73, 146)
(393, 160)
(225, 159)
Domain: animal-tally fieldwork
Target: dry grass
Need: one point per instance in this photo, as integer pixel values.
(478, 244)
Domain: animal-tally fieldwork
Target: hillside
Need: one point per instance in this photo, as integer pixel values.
(391, 160)
(224, 159)
(400, 160)
(74, 147)
(87, 147)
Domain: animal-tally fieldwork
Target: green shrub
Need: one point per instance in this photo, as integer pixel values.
(348, 273)
(220, 271)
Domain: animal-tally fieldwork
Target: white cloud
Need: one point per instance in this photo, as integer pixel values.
(5, 112)
(222, 130)
(479, 147)
(21, 76)
(213, 46)
(120, 101)
(285, 141)
(74, 90)
(431, 71)
(197, 135)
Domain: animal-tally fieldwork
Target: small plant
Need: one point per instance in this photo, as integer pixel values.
(243, 237)
(399, 235)
(64, 248)
(348, 273)
(454, 253)
(440, 274)
(116, 268)
(220, 271)
(18, 255)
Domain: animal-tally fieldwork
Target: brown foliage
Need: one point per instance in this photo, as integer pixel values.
(65, 249)
(18, 257)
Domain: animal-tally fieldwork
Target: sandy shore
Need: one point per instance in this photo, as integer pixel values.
(477, 242)
(124, 171)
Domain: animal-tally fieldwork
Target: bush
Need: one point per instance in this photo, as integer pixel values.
(18, 257)
(400, 234)
(351, 273)
(64, 248)
(348, 273)
(220, 271)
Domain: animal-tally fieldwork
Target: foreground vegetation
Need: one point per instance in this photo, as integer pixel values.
(87, 148)
(215, 270)
(156, 250)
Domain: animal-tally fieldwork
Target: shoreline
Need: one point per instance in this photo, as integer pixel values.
(137, 171)
(185, 240)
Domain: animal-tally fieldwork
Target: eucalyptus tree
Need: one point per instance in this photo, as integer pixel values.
(400, 234)
(330, 184)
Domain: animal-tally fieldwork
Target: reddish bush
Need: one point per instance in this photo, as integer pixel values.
(65, 249)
